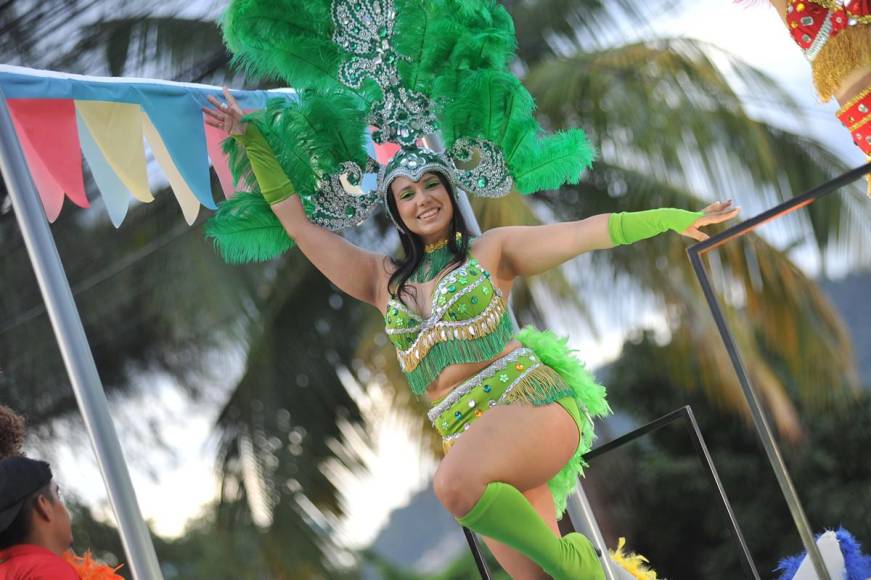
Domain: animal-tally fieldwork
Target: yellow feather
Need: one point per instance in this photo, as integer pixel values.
(633, 563)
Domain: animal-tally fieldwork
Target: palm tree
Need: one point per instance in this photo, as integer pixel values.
(673, 130)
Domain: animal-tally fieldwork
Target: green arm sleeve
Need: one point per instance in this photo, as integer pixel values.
(274, 183)
(630, 227)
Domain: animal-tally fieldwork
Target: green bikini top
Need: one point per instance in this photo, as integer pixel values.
(469, 323)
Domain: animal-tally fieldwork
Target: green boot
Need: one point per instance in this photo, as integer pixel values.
(504, 514)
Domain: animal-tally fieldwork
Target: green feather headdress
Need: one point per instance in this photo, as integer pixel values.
(409, 68)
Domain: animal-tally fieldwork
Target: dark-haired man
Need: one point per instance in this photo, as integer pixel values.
(35, 527)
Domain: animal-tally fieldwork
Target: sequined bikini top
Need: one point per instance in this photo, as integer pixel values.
(469, 323)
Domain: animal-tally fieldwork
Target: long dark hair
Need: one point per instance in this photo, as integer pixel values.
(412, 244)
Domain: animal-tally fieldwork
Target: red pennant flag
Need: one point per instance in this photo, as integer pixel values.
(50, 140)
(214, 138)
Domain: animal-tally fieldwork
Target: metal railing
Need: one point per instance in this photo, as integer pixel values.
(762, 428)
(760, 422)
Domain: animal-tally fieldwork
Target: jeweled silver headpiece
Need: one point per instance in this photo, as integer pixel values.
(365, 30)
(411, 69)
(488, 178)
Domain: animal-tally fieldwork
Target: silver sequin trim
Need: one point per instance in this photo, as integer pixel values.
(335, 208)
(413, 163)
(821, 39)
(439, 311)
(448, 325)
(364, 29)
(490, 177)
(478, 379)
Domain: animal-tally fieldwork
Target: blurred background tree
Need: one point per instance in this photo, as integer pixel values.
(670, 119)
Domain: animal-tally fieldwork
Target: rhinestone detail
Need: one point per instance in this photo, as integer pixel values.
(364, 30)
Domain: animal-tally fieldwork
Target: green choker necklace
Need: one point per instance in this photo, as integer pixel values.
(436, 257)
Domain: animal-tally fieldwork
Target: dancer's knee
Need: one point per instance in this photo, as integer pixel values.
(457, 489)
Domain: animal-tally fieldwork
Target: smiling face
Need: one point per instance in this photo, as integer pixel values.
(424, 206)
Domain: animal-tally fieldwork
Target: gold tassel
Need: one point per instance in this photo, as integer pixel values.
(842, 54)
(542, 383)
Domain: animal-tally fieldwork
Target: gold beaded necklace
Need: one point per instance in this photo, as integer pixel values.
(436, 256)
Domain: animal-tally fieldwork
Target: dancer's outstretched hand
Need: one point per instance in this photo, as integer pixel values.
(226, 116)
(717, 212)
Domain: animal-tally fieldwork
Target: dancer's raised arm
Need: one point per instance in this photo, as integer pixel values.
(357, 272)
(530, 250)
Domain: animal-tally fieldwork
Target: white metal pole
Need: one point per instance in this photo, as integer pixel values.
(76, 351)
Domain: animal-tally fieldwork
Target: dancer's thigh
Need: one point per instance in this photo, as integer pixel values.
(518, 566)
(518, 444)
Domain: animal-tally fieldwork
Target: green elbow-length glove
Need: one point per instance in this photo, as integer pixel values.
(245, 229)
(630, 227)
(274, 183)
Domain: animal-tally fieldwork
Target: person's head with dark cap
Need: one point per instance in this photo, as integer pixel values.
(31, 511)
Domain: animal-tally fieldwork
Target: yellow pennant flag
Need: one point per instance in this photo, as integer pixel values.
(188, 202)
(117, 130)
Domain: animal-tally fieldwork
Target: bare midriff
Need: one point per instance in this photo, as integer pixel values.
(854, 83)
(451, 377)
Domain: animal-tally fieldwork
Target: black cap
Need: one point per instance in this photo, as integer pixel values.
(19, 478)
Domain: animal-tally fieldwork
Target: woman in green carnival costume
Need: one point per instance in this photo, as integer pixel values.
(515, 409)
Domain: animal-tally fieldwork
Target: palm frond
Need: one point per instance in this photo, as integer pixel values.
(145, 44)
(665, 108)
(545, 27)
(289, 406)
(795, 344)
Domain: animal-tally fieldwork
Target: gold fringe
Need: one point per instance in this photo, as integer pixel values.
(541, 385)
(486, 323)
(841, 55)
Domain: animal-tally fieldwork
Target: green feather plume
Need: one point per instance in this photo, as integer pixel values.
(240, 168)
(494, 105)
(411, 37)
(456, 52)
(447, 39)
(313, 136)
(310, 137)
(553, 161)
(244, 229)
(485, 37)
(284, 39)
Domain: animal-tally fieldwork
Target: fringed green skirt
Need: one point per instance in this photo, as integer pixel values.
(544, 371)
